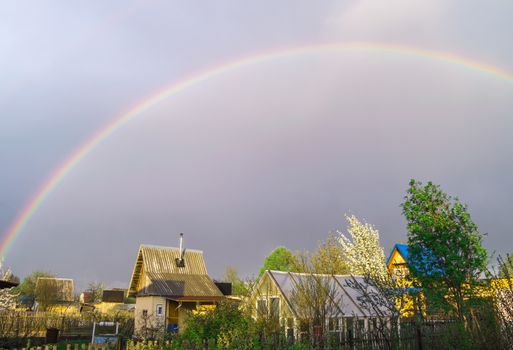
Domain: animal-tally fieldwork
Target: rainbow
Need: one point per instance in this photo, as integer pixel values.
(117, 123)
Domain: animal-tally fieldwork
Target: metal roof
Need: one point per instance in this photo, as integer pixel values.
(402, 249)
(169, 280)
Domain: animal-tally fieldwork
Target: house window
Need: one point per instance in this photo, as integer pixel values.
(145, 313)
(289, 327)
(333, 324)
(160, 310)
(275, 308)
(262, 307)
(269, 307)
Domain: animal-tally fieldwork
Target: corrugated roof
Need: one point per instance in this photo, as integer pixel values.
(173, 285)
(342, 294)
(167, 279)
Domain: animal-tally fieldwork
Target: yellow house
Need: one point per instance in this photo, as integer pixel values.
(168, 283)
(397, 262)
(397, 266)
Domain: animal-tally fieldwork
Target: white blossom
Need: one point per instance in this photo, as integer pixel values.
(362, 249)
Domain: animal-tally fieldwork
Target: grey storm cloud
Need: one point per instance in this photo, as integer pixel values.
(265, 155)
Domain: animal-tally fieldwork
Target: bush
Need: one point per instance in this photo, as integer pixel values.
(224, 324)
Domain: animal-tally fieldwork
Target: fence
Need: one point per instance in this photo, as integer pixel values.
(82, 346)
(409, 335)
(17, 329)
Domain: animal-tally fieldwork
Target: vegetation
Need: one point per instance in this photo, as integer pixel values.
(329, 257)
(446, 256)
(96, 289)
(362, 250)
(239, 287)
(28, 285)
(223, 324)
(505, 266)
(280, 259)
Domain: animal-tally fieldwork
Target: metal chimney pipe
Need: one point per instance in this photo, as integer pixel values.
(181, 245)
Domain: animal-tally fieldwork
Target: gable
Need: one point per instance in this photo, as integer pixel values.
(398, 257)
(156, 272)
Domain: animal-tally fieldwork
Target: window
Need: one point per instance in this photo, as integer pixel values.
(145, 313)
(269, 307)
(262, 307)
(333, 325)
(159, 310)
(289, 327)
(275, 308)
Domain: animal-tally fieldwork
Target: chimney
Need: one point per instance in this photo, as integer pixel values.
(180, 262)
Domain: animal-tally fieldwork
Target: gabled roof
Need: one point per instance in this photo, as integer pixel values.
(167, 279)
(341, 293)
(402, 249)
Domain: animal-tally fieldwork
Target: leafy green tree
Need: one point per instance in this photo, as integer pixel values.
(280, 259)
(28, 286)
(446, 255)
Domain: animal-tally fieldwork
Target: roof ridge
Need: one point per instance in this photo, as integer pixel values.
(169, 248)
(315, 274)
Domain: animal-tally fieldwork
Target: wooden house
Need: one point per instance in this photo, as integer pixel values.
(167, 283)
(397, 262)
(294, 300)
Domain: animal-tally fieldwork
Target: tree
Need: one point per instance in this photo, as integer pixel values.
(314, 296)
(96, 289)
(329, 257)
(280, 259)
(362, 250)
(47, 293)
(28, 286)
(506, 267)
(445, 249)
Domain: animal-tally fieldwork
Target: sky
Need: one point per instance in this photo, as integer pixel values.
(265, 155)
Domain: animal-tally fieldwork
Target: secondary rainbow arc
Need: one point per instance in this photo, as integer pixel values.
(24, 216)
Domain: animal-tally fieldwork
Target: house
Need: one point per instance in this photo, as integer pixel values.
(56, 294)
(397, 262)
(168, 282)
(302, 303)
(113, 300)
